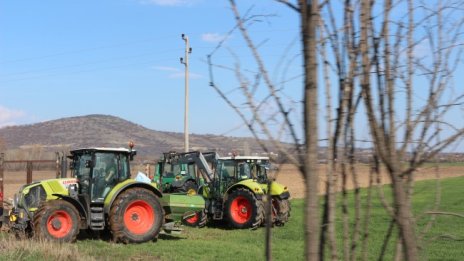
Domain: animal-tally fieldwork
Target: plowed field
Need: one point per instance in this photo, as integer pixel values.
(287, 175)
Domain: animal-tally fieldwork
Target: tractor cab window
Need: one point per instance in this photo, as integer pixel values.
(261, 172)
(225, 175)
(188, 170)
(226, 170)
(244, 171)
(177, 169)
(124, 172)
(105, 174)
(168, 171)
(81, 172)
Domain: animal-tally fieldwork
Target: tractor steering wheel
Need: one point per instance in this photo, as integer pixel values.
(97, 173)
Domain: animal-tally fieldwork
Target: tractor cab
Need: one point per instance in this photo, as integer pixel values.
(237, 190)
(173, 175)
(230, 170)
(184, 172)
(98, 170)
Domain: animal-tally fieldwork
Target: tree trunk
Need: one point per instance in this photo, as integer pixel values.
(404, 219)
(309, 18)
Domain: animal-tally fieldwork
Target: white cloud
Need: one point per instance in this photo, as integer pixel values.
(9, 116)
(175, 73)
(212, 37)
(166, 68)
(180, 74)
(169, 2)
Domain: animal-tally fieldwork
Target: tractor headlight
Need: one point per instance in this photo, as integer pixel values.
(13, 217)
(73, 190)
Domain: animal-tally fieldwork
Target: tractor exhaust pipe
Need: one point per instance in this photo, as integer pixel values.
(64, 166)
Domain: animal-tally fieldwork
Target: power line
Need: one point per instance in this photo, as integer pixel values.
(83, 71)
(47, 56)
(86, 64)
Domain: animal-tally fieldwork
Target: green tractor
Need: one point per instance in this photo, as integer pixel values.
(185, 172)
(238, 189)
(99, 197)
(178, 172)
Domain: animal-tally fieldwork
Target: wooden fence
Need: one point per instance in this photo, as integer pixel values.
(29, 169)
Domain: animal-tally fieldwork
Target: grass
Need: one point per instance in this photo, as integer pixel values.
(444, 241)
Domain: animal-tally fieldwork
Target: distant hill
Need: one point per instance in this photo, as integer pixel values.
(109, 131)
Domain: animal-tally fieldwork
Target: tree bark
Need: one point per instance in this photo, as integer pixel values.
(404, 219)
(309, 18)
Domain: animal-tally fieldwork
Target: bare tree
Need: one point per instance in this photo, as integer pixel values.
(392, 70)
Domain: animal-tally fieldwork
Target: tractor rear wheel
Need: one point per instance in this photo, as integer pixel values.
(136, 216)
(243, 209)
(197, 220)
(56, 220)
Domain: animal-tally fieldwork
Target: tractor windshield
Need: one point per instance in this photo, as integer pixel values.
(261, 172)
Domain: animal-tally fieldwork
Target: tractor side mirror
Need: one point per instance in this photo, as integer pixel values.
(132, 154)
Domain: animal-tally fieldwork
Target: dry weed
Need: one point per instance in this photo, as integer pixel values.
(14, 249)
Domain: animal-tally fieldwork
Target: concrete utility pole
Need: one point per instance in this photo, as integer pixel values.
(185, 62)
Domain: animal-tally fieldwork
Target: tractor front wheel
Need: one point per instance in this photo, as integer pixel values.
(136, 216)
(280, 211)
(243, 209)
(56, 220)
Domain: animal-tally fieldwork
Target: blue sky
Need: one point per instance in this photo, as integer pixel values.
(63, 58)
(121, 57)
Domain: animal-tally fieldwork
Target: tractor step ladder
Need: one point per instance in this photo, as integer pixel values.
(97, 217)
(218, 215)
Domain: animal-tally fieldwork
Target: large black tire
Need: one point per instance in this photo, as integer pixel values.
(281, 211)
(136, 216)
(198, 220)
(56, 220)
(243, 209)
(188, 186)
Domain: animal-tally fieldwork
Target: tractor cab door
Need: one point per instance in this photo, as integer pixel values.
(262, 172)
(109, 169)
(224, 177)
(81, 170)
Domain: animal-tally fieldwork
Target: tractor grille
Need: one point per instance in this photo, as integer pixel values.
(35, 196)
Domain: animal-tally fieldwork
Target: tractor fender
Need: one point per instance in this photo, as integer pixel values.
(125, 185)
(247, 184)
(77, 204)
(279, 190)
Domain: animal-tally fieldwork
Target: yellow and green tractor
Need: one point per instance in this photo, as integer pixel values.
(100, 196)
(238, 191)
